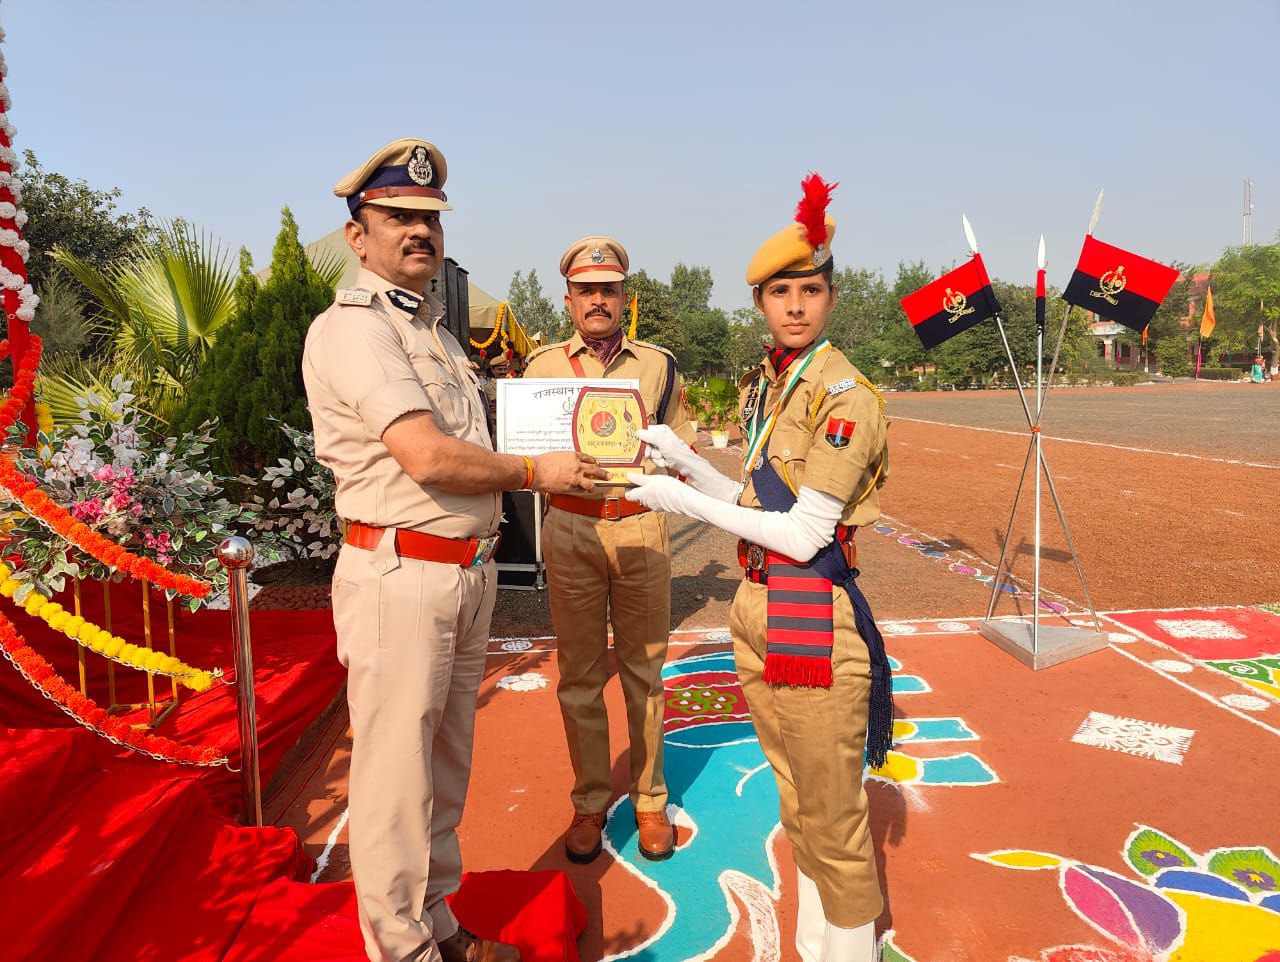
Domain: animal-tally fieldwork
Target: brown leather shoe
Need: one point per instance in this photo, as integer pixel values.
(656, 839)
(582, 840)
(464, 946)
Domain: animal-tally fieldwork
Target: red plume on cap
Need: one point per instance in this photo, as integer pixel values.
(811, 212)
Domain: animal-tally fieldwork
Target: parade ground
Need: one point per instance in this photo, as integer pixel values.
(1116, 807)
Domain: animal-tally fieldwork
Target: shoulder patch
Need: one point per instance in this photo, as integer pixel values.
(841, 386)
(354, 295)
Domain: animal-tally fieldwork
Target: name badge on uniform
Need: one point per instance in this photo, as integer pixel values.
(840, 432)
(355, 295)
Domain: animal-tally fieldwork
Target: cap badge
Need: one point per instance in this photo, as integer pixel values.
(419, 166)
(821, 254)
(597, 256)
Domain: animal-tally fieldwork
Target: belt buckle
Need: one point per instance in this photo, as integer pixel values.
(755, 557)
(485, 550)
(612, 509)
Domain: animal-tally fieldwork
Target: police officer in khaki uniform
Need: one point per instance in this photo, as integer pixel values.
(810, 658)
(609, 560)
(399, 419)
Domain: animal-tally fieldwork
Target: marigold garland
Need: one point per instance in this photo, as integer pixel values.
(497, 329)
(103, 642)
(86, 712)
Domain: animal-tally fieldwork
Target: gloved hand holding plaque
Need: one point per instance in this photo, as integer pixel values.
(605, 422)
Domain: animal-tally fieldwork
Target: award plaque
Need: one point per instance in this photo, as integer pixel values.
(605, 422)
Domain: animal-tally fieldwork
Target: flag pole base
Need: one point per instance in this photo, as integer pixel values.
(1058, 643)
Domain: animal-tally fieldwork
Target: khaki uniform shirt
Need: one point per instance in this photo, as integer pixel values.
(800, 449)
(367, 364)
(647, 363)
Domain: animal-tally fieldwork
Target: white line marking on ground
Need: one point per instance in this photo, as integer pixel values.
(1097, 444)
(1195, 691)
(322, 862)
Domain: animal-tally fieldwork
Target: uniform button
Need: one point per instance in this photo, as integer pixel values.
(382, 566)
(786, 454)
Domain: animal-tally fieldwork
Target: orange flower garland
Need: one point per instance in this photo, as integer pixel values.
(40, 506)
(86, 712)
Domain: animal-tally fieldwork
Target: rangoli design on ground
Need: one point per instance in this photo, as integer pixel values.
(1132, 736)
(714, 767)
(1219, 906)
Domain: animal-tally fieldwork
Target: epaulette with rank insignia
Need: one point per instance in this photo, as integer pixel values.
(543, 350)
(653, 347)
(353, 295)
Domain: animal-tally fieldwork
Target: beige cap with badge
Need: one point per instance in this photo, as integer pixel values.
(406, 173)
(594, 260)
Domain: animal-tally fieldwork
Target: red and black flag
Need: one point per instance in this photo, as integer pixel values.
(953, 303)
(1118, 285)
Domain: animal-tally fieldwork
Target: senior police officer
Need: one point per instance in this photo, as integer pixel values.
(808, 652)
(609, 560)
(399, 419)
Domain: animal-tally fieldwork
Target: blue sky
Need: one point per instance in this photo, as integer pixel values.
(682, 129)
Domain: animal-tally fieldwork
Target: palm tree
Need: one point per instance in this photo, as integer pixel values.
(164, 307)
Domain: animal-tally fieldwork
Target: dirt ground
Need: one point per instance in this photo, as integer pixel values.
(1170, 492)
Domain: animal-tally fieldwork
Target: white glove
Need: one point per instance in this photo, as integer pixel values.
(666, 450)
(797, 534)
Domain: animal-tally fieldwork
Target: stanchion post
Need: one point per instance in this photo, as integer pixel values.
(236, 555)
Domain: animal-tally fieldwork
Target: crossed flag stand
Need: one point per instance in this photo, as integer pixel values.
(1108, 281)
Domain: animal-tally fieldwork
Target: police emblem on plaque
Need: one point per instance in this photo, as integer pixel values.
(605, 421)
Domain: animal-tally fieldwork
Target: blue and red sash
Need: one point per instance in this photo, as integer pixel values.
(800, 630)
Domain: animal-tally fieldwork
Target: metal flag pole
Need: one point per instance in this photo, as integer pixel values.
(1035, 435)
(1019, 639)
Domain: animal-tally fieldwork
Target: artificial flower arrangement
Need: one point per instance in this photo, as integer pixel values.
(299, 517)
(135, 503)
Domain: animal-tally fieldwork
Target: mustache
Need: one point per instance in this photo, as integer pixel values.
(599, 312)
(423, 247)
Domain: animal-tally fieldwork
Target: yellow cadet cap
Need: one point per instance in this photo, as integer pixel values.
(593, 260)
(801, 248)
(405, 173)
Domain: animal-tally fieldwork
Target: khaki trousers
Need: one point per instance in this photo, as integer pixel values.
(619, 571)
(412, 635)
(814, 739)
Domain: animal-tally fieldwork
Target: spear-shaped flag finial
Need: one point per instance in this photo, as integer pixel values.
(968, 233)
(1040, 261)
(1097, 211)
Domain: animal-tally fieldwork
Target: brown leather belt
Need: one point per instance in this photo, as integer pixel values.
(464, 552)
(610, 509)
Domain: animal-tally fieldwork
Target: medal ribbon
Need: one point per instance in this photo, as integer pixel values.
(758, 433)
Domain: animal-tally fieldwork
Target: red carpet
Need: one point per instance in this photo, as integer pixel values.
(536, 911)
(297, 675)
(107, 855)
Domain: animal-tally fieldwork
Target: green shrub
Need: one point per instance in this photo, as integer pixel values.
(1221, 374)
(1172, 352)
(252, 379)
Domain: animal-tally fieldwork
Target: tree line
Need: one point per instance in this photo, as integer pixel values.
(869, 326)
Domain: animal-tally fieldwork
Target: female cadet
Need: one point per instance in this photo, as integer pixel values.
(808, 653)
